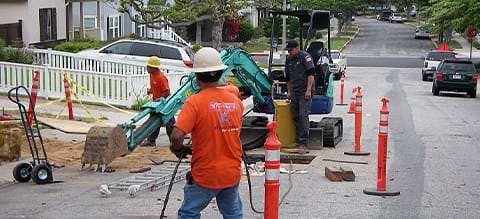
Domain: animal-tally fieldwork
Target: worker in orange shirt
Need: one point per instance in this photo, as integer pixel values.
(158, 88)
(214, 118)
(242, 92)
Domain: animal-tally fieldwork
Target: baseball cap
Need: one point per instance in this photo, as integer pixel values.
(291, 44)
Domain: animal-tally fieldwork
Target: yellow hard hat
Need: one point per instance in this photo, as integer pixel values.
(153, 62)
(207, 59)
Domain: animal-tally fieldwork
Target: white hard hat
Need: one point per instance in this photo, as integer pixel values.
(207, 59)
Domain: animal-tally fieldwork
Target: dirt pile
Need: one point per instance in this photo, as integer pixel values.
(70, 153)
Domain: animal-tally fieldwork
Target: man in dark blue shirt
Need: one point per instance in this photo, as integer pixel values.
(299, 72)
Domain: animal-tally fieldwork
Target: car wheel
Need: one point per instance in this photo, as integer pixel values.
(435, 90)
(424, 77)
(472, 93)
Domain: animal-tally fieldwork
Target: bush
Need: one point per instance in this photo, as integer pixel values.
(246, 31)
(17, 55)
(266, 24)
(292, 28)
(76, 46)
(196, 47)
(476, 44)
(258, 32)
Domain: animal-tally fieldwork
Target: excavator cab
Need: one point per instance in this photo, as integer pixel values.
(309, 22)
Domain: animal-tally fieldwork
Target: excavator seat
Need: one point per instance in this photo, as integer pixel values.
(322, 70)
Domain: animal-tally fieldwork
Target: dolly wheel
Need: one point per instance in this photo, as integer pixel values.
(42, 174)
(21, 172)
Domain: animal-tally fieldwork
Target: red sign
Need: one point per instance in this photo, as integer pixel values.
(471, 33)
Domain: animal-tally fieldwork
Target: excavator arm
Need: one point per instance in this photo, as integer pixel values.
(239, 63)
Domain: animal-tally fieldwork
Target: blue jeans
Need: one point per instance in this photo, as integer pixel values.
(300, 110)
(196, 198)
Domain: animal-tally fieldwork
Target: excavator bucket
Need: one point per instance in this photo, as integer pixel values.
(103, 145)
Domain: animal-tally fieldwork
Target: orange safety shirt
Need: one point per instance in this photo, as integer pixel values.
(214, 117)
(232, 89)
(158, 84)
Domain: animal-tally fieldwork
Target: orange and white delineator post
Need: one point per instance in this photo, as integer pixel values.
(351, 109)
(33, 96)
(381, 189)
(272, 172)
(342, 86)
(358, 124)
(68, 97)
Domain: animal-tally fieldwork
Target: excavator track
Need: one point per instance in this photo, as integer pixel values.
(102, 146)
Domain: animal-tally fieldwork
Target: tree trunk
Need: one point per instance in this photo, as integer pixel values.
(198, 35)
(448, 35)
(217, 33)
(340, 23)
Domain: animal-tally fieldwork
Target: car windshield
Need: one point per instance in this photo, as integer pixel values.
(437, 56)
(335, 55)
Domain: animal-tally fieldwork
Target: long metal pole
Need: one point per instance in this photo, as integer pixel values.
(471, 45)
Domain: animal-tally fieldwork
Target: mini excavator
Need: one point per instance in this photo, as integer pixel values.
(104, 144)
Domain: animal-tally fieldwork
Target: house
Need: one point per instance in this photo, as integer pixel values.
(101, 20)
(37, 23)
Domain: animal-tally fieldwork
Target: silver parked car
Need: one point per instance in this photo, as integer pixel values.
(422, 33)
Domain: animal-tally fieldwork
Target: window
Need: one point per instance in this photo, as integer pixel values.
(145, 49)
(139, 28)
(335, 55)
(48, 24)
(119, 48)
(437, 56)
(89, 22)
(170, 53)
(113, 26)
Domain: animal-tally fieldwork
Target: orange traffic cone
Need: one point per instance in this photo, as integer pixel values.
(352, 101)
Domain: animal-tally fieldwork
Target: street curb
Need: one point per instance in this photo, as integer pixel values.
(351, 38)
(258, 54)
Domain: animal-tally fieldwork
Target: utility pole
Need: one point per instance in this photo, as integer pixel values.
(284, 29)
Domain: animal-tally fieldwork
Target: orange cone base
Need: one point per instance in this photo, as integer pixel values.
(372, 191)
(359, 153)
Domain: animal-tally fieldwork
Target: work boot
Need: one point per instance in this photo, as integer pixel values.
(292, 145)
(148, 143)
(303, 149)
(289, 150)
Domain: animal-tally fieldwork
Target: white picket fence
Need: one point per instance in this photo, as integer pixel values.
(66, 60)
(92, 86)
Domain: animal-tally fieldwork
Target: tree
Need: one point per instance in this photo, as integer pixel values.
(184, 13)
(458, 15)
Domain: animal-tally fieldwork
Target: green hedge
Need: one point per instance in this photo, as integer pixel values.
(78, 45)
(14, 54)
(246, 31)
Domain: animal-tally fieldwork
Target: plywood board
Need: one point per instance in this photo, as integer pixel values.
(67, 126)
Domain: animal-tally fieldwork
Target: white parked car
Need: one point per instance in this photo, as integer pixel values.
(396, 17)
(171, 54)
(339, 63)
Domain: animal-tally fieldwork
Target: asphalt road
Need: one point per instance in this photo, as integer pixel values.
(432, 160)
(434, 151)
